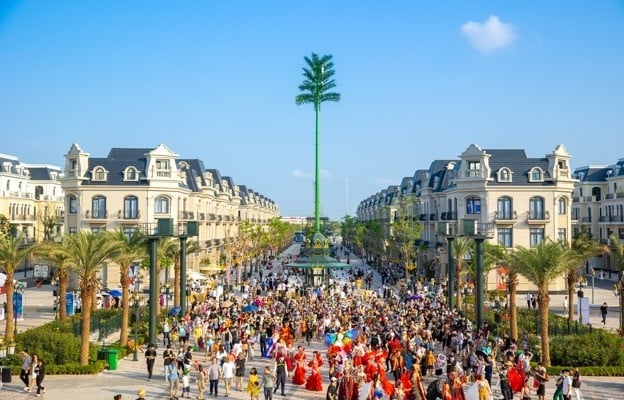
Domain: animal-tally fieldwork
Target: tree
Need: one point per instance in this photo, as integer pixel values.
(87, 252)
(461, 246)
(49, 218)
(404, 232)
(55, 255)
(12, 254)
(541, 265)
(191, 246)
(585, 247)
(130, 250)
(315, 90)
(617, 256)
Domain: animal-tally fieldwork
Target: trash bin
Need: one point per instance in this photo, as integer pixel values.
(6, 374)
(112, 359)
(102, 354)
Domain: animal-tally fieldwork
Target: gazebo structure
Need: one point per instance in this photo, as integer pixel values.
(317, 264)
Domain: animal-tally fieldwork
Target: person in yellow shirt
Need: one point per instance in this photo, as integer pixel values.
(253, 384)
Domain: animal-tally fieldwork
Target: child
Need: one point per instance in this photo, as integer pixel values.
(186, 382)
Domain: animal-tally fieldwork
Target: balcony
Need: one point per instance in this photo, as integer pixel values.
(202, 216)
(505, 217)
(575, 199)
(448, 216)
(422, 217)
(538, 218)
(133, 215)
(98, 215)
(433, 217)
(212, 217)
(22, 217)
(615, 218)
(609, 196)
(163, 173)
(186, 215)
(586, 219)
(619, 195)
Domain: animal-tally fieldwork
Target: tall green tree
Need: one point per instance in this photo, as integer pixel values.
(12, 254)
(404, 232)
(55, 255)
(617, 256)
(87, 252)
(541, 265)
(316, 86)
(584, 247)
(131, 248)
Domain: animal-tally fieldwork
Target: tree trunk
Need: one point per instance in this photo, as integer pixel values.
(176, 282)
(513, 312)
(87, 299)
(458, 290)
(125, 306)
(62, 289)
(10, 323)
(571, 280)
(621, 283)
(543, 306)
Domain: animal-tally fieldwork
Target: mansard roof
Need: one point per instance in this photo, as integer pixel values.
(520, 166)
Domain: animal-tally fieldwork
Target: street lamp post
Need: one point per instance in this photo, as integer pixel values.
(593, 276)
(580, 297)
(55, 285)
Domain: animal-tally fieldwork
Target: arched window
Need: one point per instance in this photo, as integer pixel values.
(73, 204)
(131, 207)
(99, 174)
(131, 174)
(473, 205)
(536, 175)
(504, 175)
(98, 207)
(536, 208)
(504, 208)
(562, 205)
(161, 205)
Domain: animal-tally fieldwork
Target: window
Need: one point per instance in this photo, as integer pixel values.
(72, 163)
(505, 237)
(99, 174)
(73, 230)
(97, 229)
(98, 207)
(162, 164)
(562, 235)
(161, 205)
(131, 207)
(474, 169)
(504, 208)
(536, 208)
(131, 174)
(536, 175)
(473, 205)
(129, 232)
(73, 204)
(504, 175)
(536, 236)
(562, 206)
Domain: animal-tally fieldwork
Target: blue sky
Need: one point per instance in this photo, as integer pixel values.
(216, 80)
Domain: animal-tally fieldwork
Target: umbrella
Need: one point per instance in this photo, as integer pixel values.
(175, 310)
(250, 308)
(115, 292)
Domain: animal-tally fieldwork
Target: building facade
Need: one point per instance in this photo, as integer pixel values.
(520, 200)
(31, 198)
(130, 189)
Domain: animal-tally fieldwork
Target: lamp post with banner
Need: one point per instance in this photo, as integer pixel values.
(18, 304)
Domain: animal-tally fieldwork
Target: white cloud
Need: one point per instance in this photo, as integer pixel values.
(489, 36)
(300, 174)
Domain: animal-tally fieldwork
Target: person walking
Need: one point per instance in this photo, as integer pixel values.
(240, 371)
(26, 361)
(201, 382)
(150, 358)
(174, 380)
(332, 389)
(32, 372)
(40, 374)
(227, 372)
(566, 388)
(576, 383)
(168, 358)
(141, 394)
(280, 375)
(603, 312)
(214, 373)
(268, 382)
(253, 384)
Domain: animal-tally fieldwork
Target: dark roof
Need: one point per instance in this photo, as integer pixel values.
(519, 164)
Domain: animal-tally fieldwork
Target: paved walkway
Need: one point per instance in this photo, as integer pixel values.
(132, 375)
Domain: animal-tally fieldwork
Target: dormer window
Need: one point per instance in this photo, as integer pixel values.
(504, 175)
(72, 164)
(162, 168)
(536, 175)
(99, 174)
(474, 169)
(131, 174)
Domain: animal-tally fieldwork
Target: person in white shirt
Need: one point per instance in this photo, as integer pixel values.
(565, 305)
(566, 388)
(227, 371)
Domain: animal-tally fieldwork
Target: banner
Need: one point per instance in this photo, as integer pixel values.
(18, 306)
(70, 303)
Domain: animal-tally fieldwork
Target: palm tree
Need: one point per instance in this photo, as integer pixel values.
(461, 247)
(541, 265)
(585, 248)
(617, 256)
(130, 249)
(12, 254)
(87, 252)
(55, 255)
(315, 87)
(191, 246)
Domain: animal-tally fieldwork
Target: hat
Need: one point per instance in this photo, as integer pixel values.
(334, 379)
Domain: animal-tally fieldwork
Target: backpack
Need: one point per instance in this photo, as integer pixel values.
(576, 381)
(559, 382)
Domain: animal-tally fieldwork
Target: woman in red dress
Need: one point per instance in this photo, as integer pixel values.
(314, 381)
(300, 371)
(457, 391)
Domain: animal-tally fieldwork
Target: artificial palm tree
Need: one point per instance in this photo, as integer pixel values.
(617, 256)
(585, 247)
(191, 246)
(316, 89)
(87, 252)
(12, 254)
(132, 248)
(461, 246)
(542, 265)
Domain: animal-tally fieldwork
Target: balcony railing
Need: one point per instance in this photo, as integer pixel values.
(505, 216)
(609, 196)
(202, 216)
(616, 218)
(575, 199)
(99, 215)
(163, 173)
(186, 215)
(22, 217)
(128, 214)
(538, 218)
(586, 219)
(619, 195)
(433, 217)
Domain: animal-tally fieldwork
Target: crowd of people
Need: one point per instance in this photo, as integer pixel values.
(389, 343)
